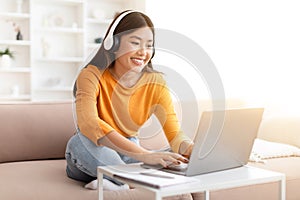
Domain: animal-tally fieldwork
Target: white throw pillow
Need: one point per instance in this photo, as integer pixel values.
(263, 149)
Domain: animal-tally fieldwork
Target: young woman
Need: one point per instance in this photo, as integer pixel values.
(116, 92)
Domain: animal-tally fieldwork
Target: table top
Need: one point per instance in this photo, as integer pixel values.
(236, 177)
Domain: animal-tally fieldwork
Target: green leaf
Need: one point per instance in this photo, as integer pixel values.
(7, 52)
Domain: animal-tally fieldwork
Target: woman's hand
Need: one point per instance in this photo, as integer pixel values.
(163, 158)
(119, 143)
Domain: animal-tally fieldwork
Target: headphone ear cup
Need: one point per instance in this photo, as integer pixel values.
(116, 44)
(108, 42)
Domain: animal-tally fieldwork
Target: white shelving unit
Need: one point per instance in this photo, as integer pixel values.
(57, 47)
(15, 80)
(58, 35)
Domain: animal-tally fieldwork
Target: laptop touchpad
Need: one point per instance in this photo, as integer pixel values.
(177, 167)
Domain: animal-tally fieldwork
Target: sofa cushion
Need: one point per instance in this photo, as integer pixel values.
(290, 167)
(40, 180)
(265, 149)
(266, 191)
(283, 129)
(35, 130)
(47, 180)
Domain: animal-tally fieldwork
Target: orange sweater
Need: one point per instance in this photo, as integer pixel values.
(103, 105)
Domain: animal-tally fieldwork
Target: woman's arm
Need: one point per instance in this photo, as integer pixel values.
(87, 94)
(121, 144)
(167, 117)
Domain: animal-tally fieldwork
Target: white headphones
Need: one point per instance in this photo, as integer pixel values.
(108, 42)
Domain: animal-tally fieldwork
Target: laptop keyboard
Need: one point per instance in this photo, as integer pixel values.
(177, 167)
(172, 166)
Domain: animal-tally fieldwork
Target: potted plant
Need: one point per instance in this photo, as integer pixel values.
(6, 57)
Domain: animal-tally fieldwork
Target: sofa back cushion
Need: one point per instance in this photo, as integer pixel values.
(34, 130)
(283, 129)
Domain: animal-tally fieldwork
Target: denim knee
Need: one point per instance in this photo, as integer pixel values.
(87, 156)
(75, 173)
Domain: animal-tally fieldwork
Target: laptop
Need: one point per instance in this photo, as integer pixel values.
(224, 140)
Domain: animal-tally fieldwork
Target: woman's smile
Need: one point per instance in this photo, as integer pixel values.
(138, 61)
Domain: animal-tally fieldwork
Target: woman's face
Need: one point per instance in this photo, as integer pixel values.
(135, 51)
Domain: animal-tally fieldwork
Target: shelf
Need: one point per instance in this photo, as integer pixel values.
(15, 42)
(54, 89)
(61, 59)
(61, 2)
(98, 21)
(9, 15)
(12, 97)
(16, 70)
(61, 30)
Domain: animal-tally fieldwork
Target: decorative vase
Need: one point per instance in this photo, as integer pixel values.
(5, 61)
(19, 36)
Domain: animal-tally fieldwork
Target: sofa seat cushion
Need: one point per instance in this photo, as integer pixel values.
(40, 180)
(290, 167)
(287, 165)
(47, 180)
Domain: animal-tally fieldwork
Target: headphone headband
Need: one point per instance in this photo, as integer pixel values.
(109, 41)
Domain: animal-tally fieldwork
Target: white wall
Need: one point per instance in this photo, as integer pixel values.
(255, 44)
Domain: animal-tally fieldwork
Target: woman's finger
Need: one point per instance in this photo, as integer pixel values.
(176, 158)
(163, 163)
(180, 158)
(183, 159)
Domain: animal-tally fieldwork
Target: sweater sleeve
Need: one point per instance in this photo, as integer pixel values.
(168, 119)
(89, 122)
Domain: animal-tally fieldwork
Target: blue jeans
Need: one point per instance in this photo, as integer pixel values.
(83, 157)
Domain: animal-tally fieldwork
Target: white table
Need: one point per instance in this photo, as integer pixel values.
(231, 178)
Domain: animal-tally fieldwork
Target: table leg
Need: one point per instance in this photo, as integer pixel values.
(157, 196)
(206, 194)
(282, 188)
(100, 186)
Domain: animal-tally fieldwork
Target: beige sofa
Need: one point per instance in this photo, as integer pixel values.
(34, 135)
(33, 138)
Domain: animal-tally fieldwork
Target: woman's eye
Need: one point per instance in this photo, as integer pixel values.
(135, 43)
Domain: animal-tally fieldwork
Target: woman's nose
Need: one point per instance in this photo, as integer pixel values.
(142, 51)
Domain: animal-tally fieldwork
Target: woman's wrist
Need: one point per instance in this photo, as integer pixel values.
(139, 155)
(185, 148)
